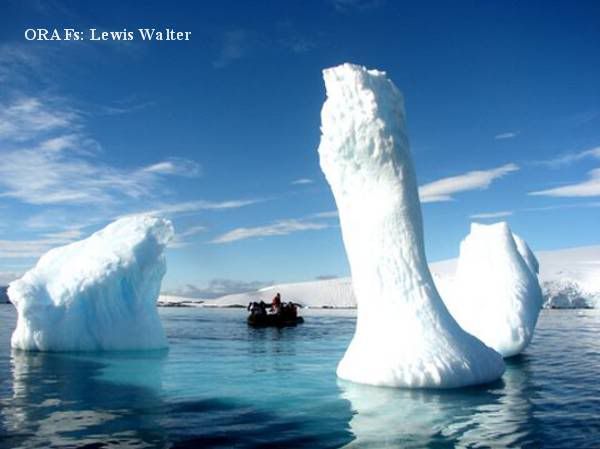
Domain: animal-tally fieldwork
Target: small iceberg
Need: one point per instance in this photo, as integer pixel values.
(96, 294)
(405, 336)
(496, 294)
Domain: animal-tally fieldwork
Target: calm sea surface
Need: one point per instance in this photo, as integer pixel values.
(225, 385)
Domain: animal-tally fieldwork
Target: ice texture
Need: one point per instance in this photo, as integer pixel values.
(96, 294)
(404, 335)
(527, 254)
(496, 293)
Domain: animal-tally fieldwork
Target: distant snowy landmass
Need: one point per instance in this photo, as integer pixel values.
(570, 278)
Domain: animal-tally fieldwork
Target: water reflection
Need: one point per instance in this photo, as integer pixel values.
(61, 400)
(126, 400)
(500, 414)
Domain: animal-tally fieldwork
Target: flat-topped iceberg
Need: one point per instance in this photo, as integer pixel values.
(496, 293)
(405, 336)
(96, 294)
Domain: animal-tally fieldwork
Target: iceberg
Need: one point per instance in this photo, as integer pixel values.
(96, 294)
(527, 255)
(405, 336)
(496, 293)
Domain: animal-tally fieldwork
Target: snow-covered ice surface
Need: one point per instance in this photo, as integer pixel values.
(496, 295)
(570, 278)
(404, 336)
(96, 294)
(178, 301)
(334, 293)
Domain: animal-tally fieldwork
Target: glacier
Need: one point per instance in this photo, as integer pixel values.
(496, 295)
(405, 336)
(96, 294)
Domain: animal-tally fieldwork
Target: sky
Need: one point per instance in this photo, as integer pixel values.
(220, 133)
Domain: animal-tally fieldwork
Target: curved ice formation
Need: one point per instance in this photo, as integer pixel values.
(527, 254)
(96, 294)
(404, 336)
(497, 296)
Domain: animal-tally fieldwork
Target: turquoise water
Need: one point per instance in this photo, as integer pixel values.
(223, 384)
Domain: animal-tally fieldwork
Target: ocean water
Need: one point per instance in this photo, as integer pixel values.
(225, 385)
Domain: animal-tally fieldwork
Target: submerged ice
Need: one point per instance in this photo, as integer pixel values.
(96, 294)
(404, 335)
(496, 294)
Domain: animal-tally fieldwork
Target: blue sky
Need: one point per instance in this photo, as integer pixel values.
(220, 133)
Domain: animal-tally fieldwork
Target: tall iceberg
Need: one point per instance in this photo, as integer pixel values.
(404, 335)
(96, 294)
(496, 294)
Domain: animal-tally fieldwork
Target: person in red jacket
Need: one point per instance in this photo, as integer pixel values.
(276, 303)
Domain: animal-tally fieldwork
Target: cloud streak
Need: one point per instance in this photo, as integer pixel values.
(588, 188)
(443, 189)
(507, 135)
(28, 249)
(280, 227)
(192, 207)
(181, 238)
(302, 181)
(499, 214)
(570, 158)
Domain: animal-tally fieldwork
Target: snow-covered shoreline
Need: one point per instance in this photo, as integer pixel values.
(570, 278)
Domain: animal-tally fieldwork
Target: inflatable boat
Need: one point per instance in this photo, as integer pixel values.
(287, 315)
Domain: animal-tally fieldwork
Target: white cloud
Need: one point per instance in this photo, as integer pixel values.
(302, 181)
(29, 117)
(570, 158)
(191, 207)
(49, 160)
(174, 166)
(180, 239)
(592, 204)
(280, 227)
(192, 230)
(27, 249)
(507, 135)
(327, 214)
(443, 189)
(588, 188)
(61, 218)
(483, 215)
(8, 276)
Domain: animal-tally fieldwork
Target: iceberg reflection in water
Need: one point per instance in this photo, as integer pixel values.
(59, 400)
(389, 418)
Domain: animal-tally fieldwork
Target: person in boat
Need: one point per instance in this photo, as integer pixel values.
(257, 308)
(291, 310)
(276, 304)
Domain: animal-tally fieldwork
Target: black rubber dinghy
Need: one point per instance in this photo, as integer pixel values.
(275, 320)
(287, 315)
